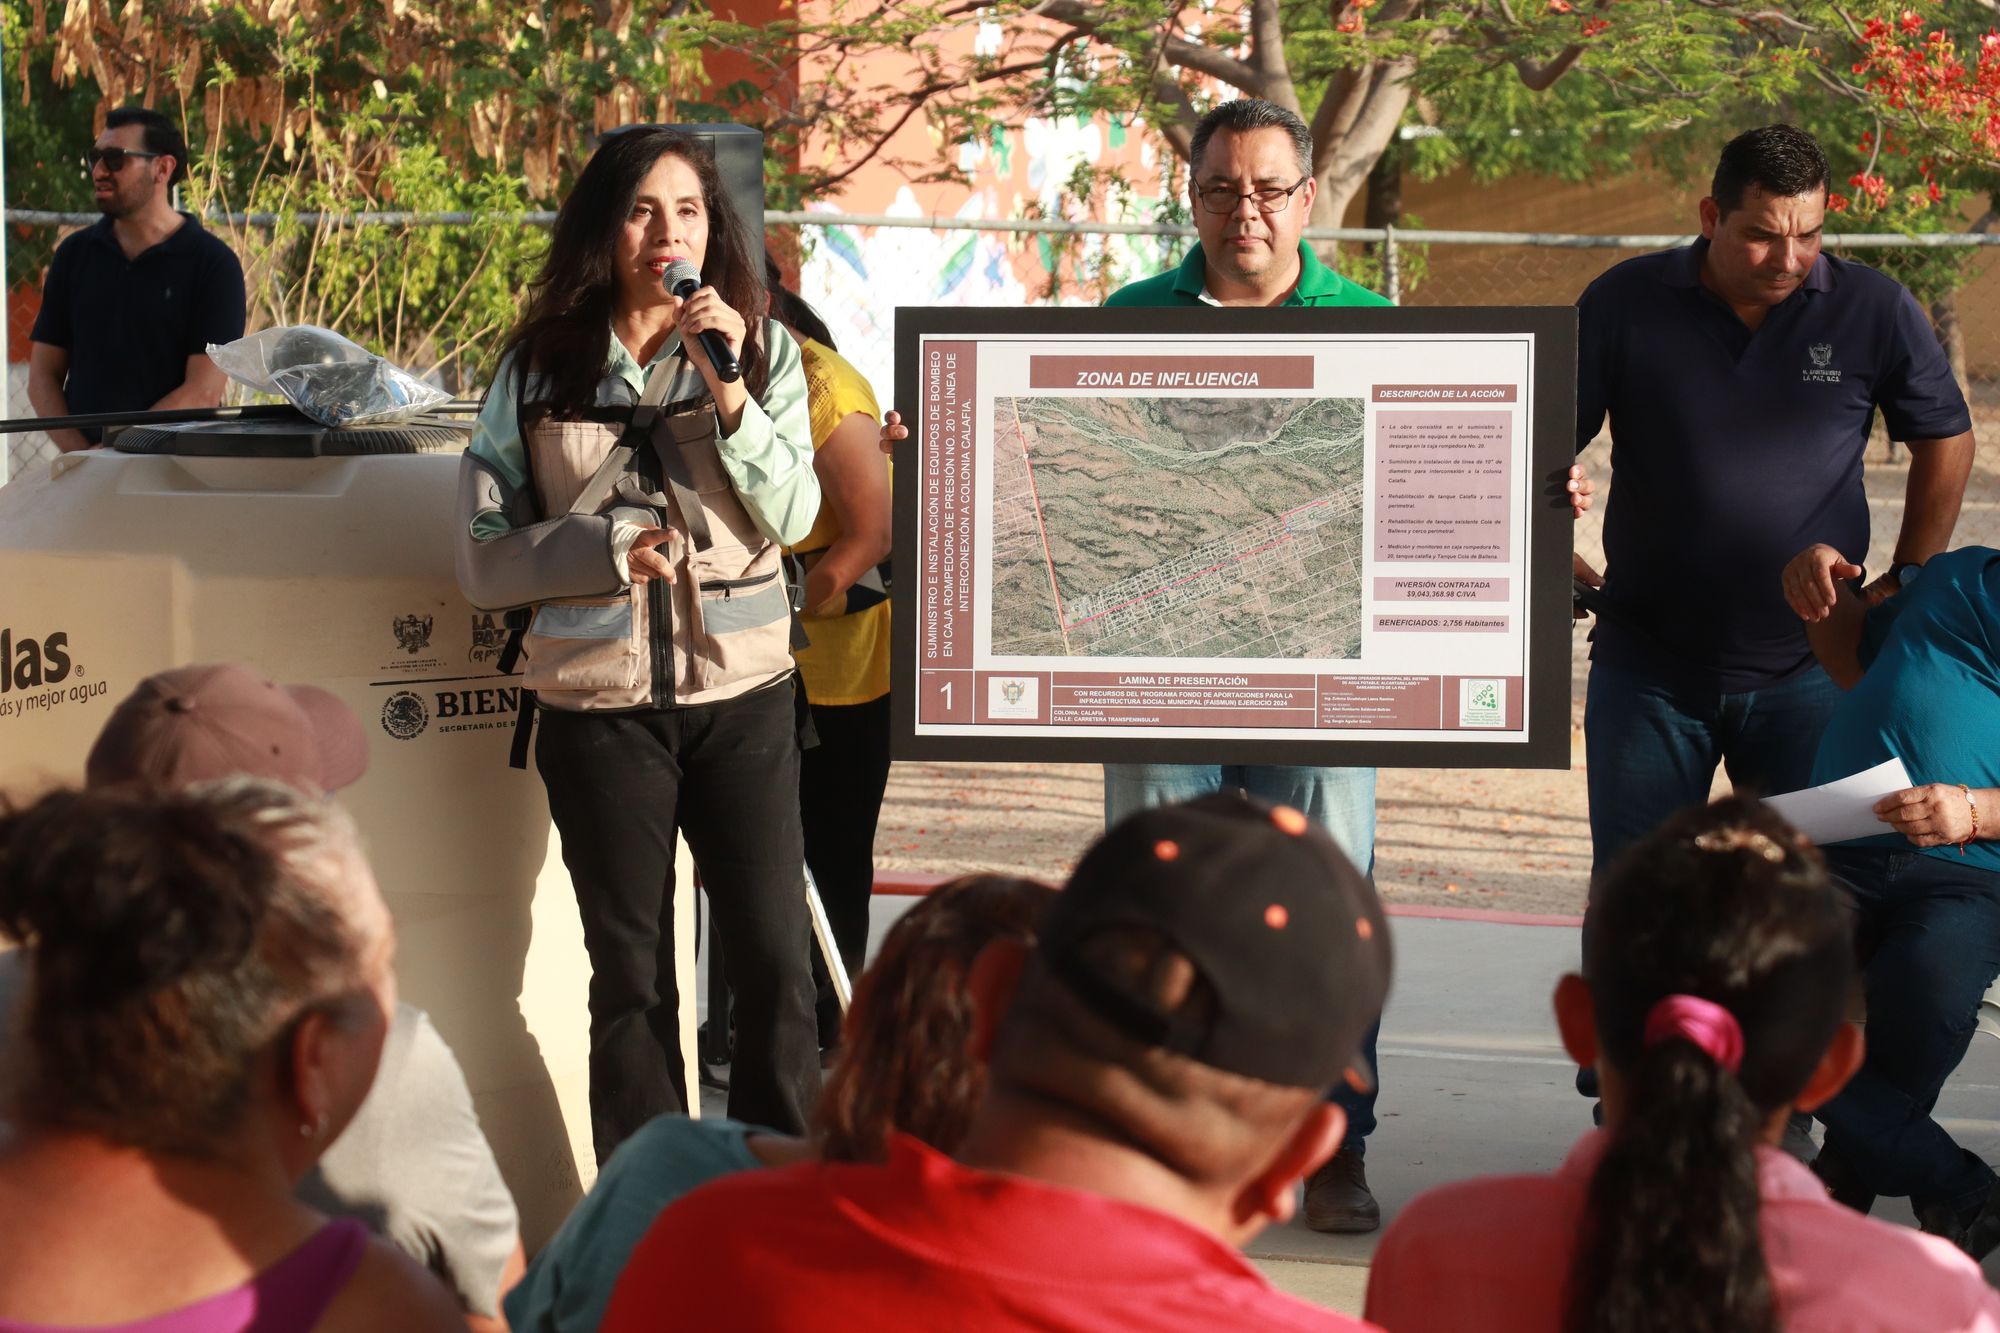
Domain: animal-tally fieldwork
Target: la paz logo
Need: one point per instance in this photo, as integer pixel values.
(1822, 353)
(1820, 372)
(488, 638)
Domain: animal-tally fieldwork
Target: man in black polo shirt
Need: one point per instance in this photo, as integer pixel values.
(1741, 375)
(131, 303)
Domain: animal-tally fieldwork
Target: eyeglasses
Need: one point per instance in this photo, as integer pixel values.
(1271, 199)
(114, 159)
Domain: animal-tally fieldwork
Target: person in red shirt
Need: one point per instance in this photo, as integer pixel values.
(1715, 980)
(1155, 1072)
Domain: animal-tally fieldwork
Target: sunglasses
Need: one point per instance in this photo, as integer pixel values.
(114, 159)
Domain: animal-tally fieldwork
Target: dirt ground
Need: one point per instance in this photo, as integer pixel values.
(1505, 839)
(1515, 840)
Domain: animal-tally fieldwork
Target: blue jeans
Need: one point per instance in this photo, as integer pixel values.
(1928, 929)
(1341, 799)
(1651, 746)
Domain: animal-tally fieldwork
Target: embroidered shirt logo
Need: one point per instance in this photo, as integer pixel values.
(1822, 370)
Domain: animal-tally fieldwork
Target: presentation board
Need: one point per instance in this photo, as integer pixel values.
(1319, 536)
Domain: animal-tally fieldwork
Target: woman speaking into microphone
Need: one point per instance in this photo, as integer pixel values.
(635, 494)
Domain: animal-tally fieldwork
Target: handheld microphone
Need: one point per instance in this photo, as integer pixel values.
(683, 279)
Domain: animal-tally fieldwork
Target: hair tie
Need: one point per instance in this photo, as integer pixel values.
(1712, 1029)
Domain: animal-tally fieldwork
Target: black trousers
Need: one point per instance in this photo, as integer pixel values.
(841, 782)
(725, 775)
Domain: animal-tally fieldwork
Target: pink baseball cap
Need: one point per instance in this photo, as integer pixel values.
(222, 719)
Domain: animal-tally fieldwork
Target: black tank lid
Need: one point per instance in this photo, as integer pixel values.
(301, 438)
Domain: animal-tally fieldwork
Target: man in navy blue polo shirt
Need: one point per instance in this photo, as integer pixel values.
(131, 303)
(1741, 375)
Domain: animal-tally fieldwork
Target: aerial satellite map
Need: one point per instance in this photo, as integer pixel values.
(1177, 527)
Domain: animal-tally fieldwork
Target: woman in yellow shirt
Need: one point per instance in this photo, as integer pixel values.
(846, 668)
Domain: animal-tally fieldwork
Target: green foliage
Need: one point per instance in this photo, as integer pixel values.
(430, 298)
(46, 135)
(474, 105)
(1494, 127)
(1367, 264)
(1090, 267)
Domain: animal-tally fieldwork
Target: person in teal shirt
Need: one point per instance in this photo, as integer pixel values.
(1919, 657)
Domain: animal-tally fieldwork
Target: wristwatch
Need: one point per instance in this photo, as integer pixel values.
(1904, 571)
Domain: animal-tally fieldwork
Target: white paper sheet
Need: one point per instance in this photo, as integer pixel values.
(1837, 811)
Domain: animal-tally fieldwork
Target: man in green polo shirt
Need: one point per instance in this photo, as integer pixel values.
(1252, 186)
(1251, 183)
(1251, 167)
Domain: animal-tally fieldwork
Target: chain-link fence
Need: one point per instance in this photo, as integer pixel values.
(856, 270)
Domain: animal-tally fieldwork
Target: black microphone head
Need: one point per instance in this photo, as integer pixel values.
(681, 278)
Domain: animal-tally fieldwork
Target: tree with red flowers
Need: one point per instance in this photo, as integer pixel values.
(1937, 117)
(1910, 114)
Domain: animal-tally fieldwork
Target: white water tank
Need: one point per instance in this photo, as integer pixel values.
(287, 549)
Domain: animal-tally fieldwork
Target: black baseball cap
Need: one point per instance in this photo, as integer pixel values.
(1289, 937)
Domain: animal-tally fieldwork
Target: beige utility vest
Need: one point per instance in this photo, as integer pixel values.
(720, 629)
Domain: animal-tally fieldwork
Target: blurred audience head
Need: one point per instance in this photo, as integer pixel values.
(1716, 973)
(1209, 971)
(906, 1062)
(210, 967)
(224, 719)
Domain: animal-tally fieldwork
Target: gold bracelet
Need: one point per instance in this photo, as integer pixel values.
(1973, 806)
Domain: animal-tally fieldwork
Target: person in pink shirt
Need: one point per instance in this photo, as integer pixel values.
(1156, 1065)
(1715, 979)
(209, 991)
